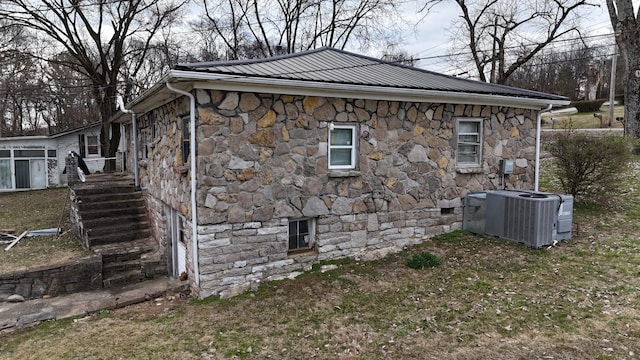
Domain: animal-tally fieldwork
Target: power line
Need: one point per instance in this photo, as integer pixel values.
(512, 47)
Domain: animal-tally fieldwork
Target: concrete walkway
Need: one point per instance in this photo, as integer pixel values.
(17, 315)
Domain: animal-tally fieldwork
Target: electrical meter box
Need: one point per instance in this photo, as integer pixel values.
(506, 167)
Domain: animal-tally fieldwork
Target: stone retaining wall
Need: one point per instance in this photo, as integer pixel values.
(79, 275)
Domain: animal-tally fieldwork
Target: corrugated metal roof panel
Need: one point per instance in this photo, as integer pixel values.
(330, 65)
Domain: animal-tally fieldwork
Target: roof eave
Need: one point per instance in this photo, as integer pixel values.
(312, 88)
(159, 94)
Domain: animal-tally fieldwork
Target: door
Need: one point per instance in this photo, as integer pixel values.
(38, 174)
(181, 259)
(23, 179)
(81, 145)
(31, 174)
(5, 174)
(178, 252)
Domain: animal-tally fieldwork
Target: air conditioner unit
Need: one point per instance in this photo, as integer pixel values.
(473, 214)
(534, 218)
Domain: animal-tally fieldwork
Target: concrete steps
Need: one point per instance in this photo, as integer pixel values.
(127, 262)
(92, 213)
(112, 222)
(118, 218)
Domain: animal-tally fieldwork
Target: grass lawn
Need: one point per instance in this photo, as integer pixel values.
(583, 120)
(488, 299)
(35, 210)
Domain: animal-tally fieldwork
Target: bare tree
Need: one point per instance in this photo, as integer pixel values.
(626, 24)
(257, 28)
(20, 90)
(560, 71)
(98, 36)
(159, 57)
(35, 94)
(208, 49)
(12, 67)
(501, 36)
(399, 56)
(70, 105)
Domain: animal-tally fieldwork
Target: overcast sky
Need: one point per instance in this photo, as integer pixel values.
(432, 39)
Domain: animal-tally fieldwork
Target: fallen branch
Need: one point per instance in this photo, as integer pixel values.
(62, 234)
(6, 237)
(16, 241)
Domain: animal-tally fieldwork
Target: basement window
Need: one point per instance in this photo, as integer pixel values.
(301, 235)
(446, 211)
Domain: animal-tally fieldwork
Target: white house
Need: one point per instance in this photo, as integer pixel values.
(37, 162)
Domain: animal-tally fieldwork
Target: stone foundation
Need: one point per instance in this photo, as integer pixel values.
(238, 257)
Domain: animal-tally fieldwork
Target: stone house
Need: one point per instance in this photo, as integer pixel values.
(316, 155)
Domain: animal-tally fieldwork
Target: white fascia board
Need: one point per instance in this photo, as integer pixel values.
(24, 138)
(349, 91)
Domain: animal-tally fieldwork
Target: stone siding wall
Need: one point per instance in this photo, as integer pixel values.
(160, 232)
(262, 161)
(158, 227)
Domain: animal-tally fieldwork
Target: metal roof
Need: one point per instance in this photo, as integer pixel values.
(333, 66)
(54, 135)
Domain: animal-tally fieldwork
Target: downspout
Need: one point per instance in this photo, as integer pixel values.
(194, 208)
(538, 135)
(136, 171)
(134, 125)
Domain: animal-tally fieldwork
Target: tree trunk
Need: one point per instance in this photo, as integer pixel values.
(110, 132)
(594, 76)
(631, 103)
(632, 89)
(626, 27)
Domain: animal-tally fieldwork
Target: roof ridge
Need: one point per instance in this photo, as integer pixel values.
(194, 65)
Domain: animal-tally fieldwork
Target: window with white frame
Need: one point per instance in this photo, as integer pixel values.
(301, 234)
(469, 151)
(342, 146)
(93, 146)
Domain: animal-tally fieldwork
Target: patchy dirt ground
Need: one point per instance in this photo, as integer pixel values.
(489, 299)
(34, 210)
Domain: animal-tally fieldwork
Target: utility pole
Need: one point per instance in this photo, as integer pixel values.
(612, 86)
